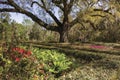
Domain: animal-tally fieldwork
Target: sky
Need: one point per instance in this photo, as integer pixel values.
(17, 17)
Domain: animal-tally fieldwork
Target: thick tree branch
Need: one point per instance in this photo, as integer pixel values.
(106, 11)
(94, 15)
(40, 22)
(70, 5)
(1, 2)
(58, 1)
(65, 12)
(43, 2)
(91, 23)
(75, 21)
(83, 26)
(32, 16)
(48, 11)
(59, 6)
(8, 10)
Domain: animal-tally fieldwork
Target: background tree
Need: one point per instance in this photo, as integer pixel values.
(35, 32)
(5, 28)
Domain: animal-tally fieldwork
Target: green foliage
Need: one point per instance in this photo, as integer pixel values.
(53, 61)
(41, 64)
(35, 32)
(22, 32)
(22, 68)
(110, 34)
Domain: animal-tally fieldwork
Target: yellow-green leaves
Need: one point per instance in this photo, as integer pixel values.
(53, 61)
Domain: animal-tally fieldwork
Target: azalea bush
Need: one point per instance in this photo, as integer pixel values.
(19, 53)
(17, 64)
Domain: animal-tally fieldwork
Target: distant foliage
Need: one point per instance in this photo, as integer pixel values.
(110, 34)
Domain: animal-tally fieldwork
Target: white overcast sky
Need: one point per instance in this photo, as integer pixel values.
(17, 17)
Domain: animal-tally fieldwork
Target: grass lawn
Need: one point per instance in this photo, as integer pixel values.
(93, 61)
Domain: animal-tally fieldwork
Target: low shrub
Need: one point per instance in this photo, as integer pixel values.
(53, 61)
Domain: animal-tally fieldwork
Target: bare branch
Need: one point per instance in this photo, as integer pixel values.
(57, 1)
(106, 11)
(60, 6)
(1, 2)
(13, 4)
(40, 22)
(43, 2)
(29, 14)
(91, 23)
(93, 15)
(83, 26)
(75, 21)
(8, 10)
(48, 11)
(70, 5)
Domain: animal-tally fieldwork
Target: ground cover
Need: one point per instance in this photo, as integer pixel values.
(90, 61)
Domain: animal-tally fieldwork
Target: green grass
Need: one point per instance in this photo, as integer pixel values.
(89, 64)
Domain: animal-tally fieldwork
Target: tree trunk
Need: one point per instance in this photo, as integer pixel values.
(64, 34)
(63, 37)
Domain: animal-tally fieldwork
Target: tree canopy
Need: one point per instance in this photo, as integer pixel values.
(44, 12)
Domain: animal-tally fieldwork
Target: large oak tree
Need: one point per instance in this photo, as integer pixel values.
(65, 7)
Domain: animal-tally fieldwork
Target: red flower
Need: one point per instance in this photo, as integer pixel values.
(97, 47)
(21, 51)
(29, 53)
(17, 59)
(13, 49)
(16, 49)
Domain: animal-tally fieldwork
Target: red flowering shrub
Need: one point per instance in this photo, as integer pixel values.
(19, 53)
(97, 47)
(17, 59)
(19, 64)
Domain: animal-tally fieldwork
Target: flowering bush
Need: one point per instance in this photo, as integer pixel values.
(18, 64)
(97, 47)
(19, 53)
